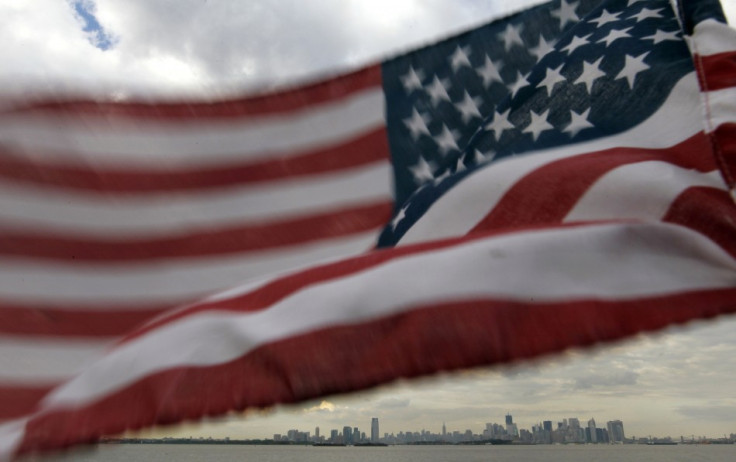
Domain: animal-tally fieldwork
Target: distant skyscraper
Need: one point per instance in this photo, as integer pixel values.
(547, 425)
(592, 429)
(444, 430)
(509, 419)
(316, 432)
(347, 435)
(616, 431)
(374, 430)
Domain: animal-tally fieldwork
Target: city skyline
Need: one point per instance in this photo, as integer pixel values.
(571, 430)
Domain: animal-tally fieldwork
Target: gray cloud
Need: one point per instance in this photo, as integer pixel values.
(393, 403)
(195, 46)
(609, 379)
(723, 412)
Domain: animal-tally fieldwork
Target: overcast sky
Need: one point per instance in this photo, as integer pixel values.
(678, 383)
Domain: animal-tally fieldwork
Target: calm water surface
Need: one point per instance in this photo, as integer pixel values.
(214, 453)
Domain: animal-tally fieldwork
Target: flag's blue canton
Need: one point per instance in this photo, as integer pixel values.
(560, 73)
(695, 11)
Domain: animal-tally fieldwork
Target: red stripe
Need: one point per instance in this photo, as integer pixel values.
(709, 211)
(231, 240)
(423, 340)
(717, 71)
(285, 286)
(723, 141)
(272, 103)
(105, 321)
(17, 401)
(365, 149)
(547, 194)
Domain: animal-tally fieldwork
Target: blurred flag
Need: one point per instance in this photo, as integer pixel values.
(561, 177)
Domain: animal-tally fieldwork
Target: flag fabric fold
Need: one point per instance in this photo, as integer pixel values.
(561, 177)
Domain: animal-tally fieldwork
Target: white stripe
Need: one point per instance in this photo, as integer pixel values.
(11, 434)
(641, 191)
(100, 284)
(462, 207)
(149, 216)
(120, 141)
(565, 265)
(36, 361)
(721, 107)
(711, 37)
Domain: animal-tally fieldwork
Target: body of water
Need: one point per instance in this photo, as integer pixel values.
(541, 453)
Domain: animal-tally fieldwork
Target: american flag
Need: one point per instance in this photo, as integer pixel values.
(561, 177)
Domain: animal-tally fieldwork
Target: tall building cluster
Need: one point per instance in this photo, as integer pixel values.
(567, 431)
(348, 436)
(571, 430)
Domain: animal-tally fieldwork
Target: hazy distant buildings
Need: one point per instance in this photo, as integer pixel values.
(616, 431)
(347, 435)
(590, 432)
(511, 428)
(568, 431)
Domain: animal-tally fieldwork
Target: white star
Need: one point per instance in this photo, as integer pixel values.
(437, 91)
(481, 158)
(399, 216)
(417, 125)
(460, 58)
(615, 34)
(551, 78)
(632, 67)
(591, 71)
(646, 13)
(500, 123)
(538, 124)
(511, 36)
(566, 13)
(661, 36)
(489, 72)
(576, 43)
(447, 140)
(422, 171)
(412, 80)
(520, 83)
(542, 49)
(459, 165)
(578, 122)
(605, 18)
(468, 107)
(442, 176)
